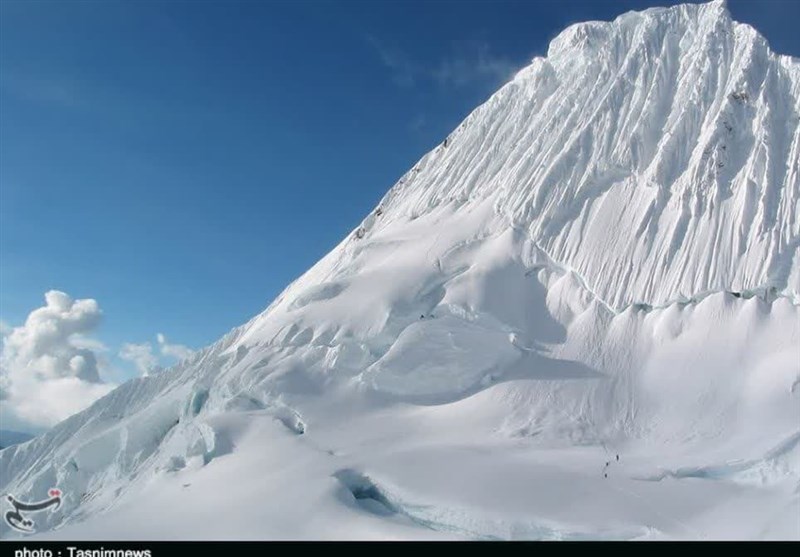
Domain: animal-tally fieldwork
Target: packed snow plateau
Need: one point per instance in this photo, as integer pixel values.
(576, 318)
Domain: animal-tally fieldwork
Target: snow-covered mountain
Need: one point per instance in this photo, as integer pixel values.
(577, 317)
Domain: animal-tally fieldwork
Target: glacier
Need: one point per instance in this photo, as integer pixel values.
(576, 318)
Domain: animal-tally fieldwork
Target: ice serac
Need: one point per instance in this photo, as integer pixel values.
(602, 259)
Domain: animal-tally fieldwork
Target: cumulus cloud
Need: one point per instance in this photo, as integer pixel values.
(177, 351)
(141, 355)
(49, 367)
(147, 360)
(52, 366)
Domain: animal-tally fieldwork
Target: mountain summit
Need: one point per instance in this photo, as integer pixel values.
(655, 155)
(577, 317)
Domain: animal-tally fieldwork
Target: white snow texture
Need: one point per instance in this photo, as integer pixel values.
(601, 260)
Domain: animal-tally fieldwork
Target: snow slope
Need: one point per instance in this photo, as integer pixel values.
(602, 260)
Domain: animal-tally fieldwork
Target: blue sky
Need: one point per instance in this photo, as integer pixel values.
(181, 162)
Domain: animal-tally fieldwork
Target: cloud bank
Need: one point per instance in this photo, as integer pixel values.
(142, 357)
(49, 366)
(146, 360)
(176, 351)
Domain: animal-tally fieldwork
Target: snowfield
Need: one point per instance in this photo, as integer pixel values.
(579, 319)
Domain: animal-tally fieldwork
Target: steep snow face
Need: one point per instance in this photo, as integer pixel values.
(601, 260)
(657, 155)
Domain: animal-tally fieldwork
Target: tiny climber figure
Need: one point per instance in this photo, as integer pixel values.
(617, 458)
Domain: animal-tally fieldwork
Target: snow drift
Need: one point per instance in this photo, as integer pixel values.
(601, 260)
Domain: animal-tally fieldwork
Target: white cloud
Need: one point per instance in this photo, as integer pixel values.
(468, 62)
(45, 403)
(49, 367)
(148, 361)
(83, 341)
(473, 62)
(404, 72)
(142, 357)
(177, 351)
